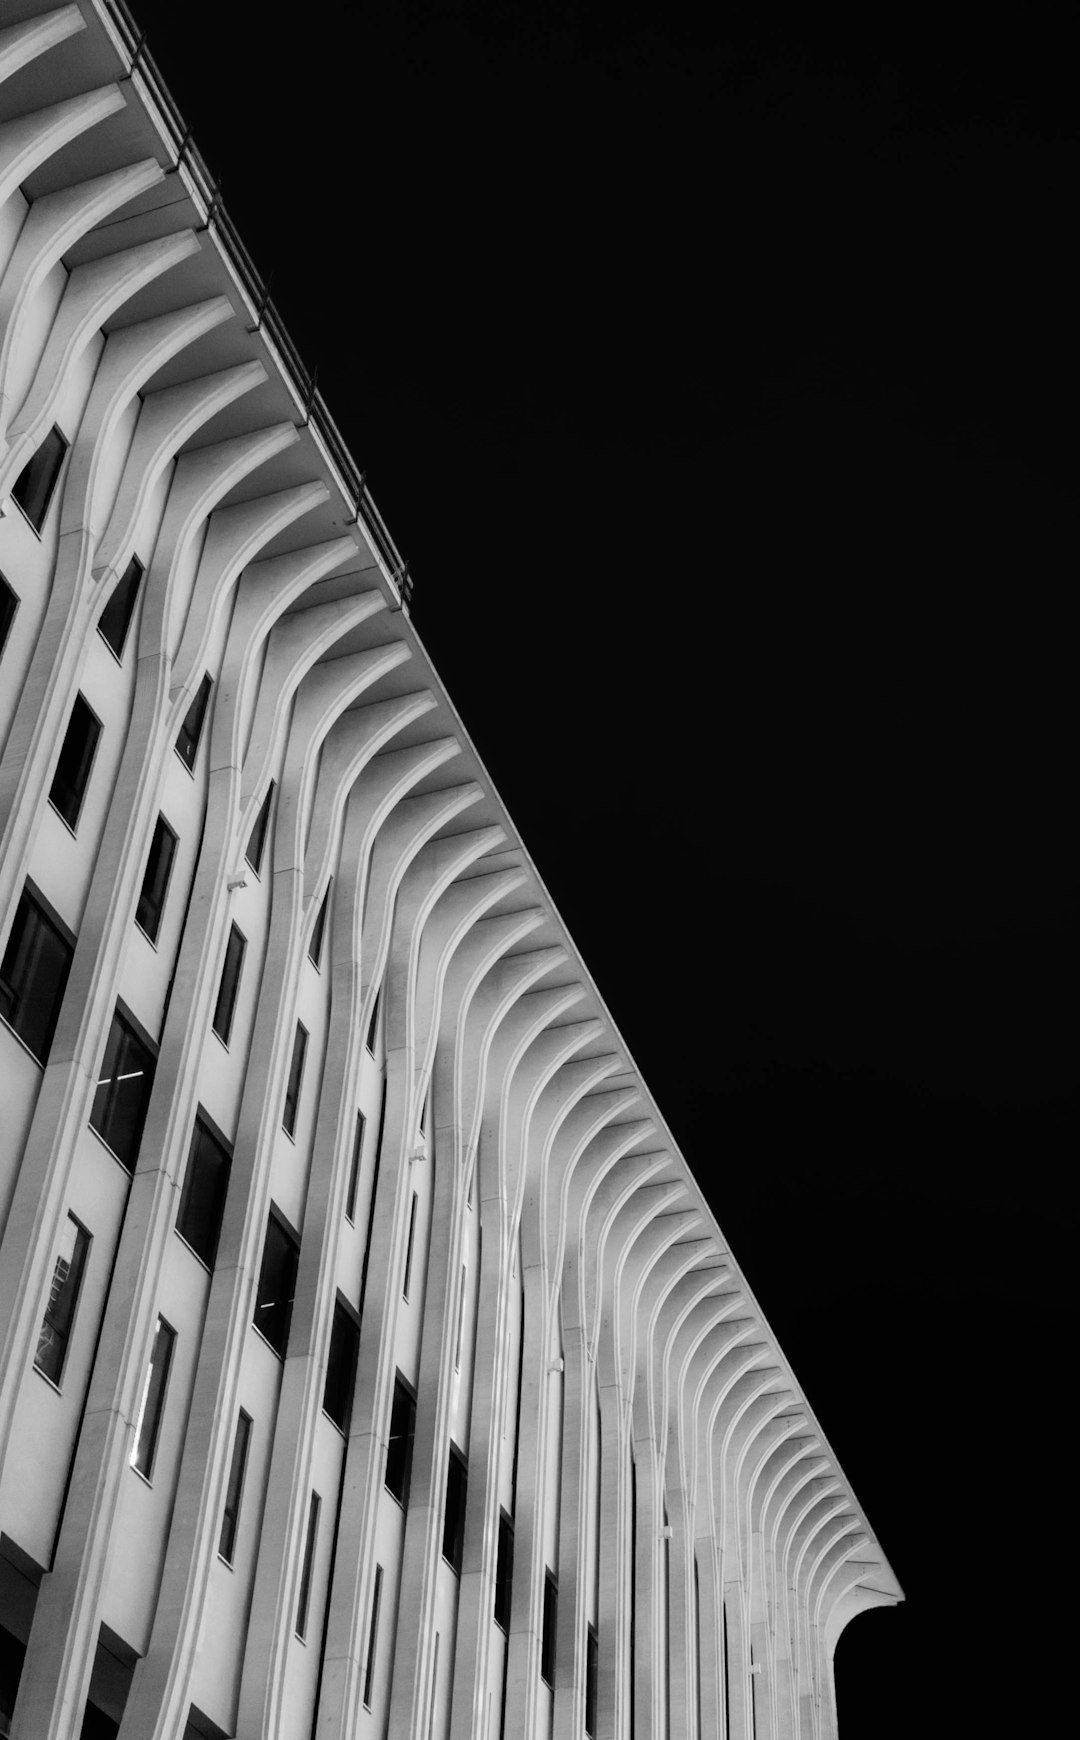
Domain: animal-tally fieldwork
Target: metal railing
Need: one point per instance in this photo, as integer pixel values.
(257, 289)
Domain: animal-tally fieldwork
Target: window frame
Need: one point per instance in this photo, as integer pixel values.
(406, 1396)
(457, 1492)
(126, 590)
(204, 1127)
(291, 1242)
(549, 1628)
(234, 1490)
(373, 1637)
(307, 1569)
(144, 1461)
(45, 919)
(80, 784)
(132, 1035)
(255, 850)
(229, 989)
(355, 1161)
(56, 434)
(504, 1573)
(9, 608)
(318, 933)
(295, 1083)
(345, 1317)
(193, 736)
(81, 1248)
(162, 829)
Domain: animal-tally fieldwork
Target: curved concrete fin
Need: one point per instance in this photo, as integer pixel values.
(22, 43)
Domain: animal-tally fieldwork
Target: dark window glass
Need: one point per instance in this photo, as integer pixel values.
(9, 604)
(504, 1572)
(373, 1638)
(257, 840)
(155, 882)
(202, 1200)
(296, 1076)
(551, 1625)
(123, 1091)
(33, 976)
(33, 488)
(373, 1022)
(56, 1325)
(187, 742)
(277, 1285)
(341, 1368)
(115, 619)
(400, 1448)
(409, 1248)
(76, 759)
(310, 1539)
(153, 1399)
(592, 1677)
(12, 1655)
(225, 1007)
(354, 1167)
(457, 1482)
(235, 1489)
(315, 947)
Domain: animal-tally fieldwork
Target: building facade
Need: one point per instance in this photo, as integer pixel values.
(372, 1363)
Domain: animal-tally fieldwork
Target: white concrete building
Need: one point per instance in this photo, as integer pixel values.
(372, 1363)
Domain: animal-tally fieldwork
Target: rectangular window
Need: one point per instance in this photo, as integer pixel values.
(551, 1626)
(9, 604)
(155, 882)
(202, 1200)
(373, 1638)
(153, 1399)
(400, 1448)
(56, 1325)
(225, 1007)
(187, 742)
(457, 1484)
(257, 839)
(296, 1076)
(115, 619)
(33, 976)
(33, 488)
(592, 1678)
(341, 1368)
(354, 1167)
(235, 1489)
(123, 1091)
(76, 759)
(373, 1023)
(504, 1572)
(409, 1248)
(304, 1601)
(315, 946)
(277, 1285)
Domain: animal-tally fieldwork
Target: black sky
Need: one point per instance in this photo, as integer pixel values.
(715, 371)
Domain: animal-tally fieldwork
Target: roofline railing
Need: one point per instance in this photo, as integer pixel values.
(257, 289)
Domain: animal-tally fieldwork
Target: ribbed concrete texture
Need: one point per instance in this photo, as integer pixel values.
(372, 1363)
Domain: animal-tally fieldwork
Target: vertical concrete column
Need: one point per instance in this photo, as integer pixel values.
(648, 1683)
(682, 1652)
(523, 1658)
(738, 1658)
(410, 1690)
(476, 1592)
(712, 1639)
(573, 1537)
(613, 1627)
